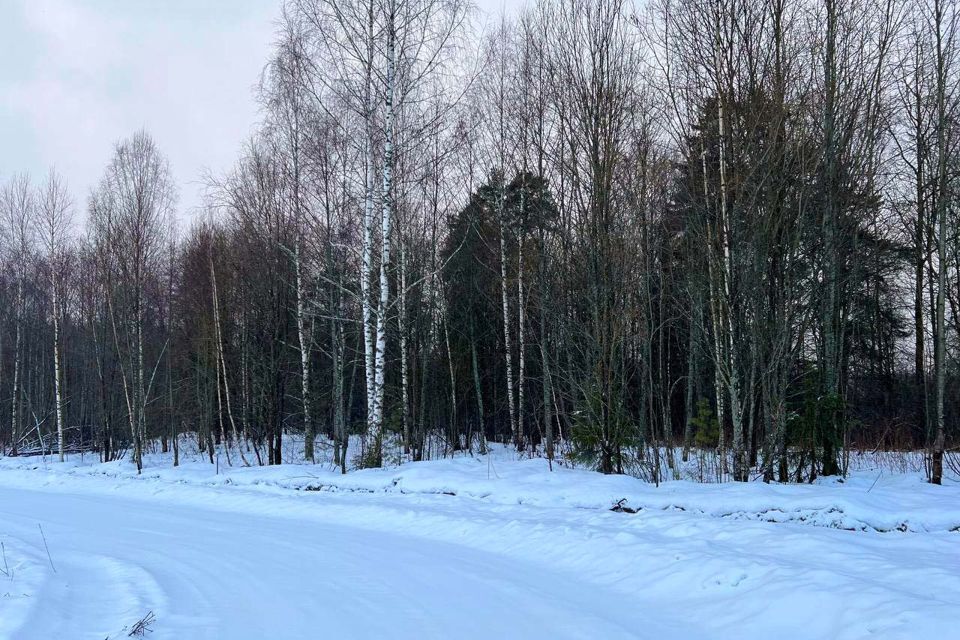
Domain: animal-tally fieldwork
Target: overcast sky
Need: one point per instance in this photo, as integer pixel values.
(78, 75)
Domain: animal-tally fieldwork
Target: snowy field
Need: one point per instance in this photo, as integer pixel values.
(472, 547)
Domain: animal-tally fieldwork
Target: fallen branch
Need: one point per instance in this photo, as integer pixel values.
(142, 626)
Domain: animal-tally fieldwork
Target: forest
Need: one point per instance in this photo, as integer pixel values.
(621, 234)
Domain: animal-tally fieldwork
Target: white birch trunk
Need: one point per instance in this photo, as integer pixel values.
(404, 358)
(58, 392)
(140, 390)
(375, 426)
(366, 263)
(521, 338)
(507, 344)
(308, 428)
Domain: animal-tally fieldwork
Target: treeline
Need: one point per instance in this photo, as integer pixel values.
(727, 225)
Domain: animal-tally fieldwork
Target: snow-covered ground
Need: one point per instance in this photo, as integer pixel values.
(471, 547)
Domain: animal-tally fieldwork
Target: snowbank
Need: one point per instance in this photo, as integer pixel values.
(870, 499)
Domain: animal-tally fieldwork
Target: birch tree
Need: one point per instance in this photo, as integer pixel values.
(129, 215)
(55, 211)
(287, 93)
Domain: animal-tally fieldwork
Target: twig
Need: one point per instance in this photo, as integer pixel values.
(875, 481)
(142, 627)
(6, 568)
(46, 547)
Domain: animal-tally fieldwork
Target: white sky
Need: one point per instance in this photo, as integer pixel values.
(78, 75)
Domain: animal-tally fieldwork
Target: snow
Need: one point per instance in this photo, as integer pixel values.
(469, 547)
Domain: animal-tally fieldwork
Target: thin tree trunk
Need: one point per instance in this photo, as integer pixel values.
(222, 364)
(404, 355)
(695, 319)
(15, 396)
(521, 336)
(454, 432)
(57, 373)
(547, 382)
(476, 384)
(507, 343)
(309, 428)
(936, 472)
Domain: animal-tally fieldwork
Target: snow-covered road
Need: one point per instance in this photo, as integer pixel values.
(466, 548)
(210, 573)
